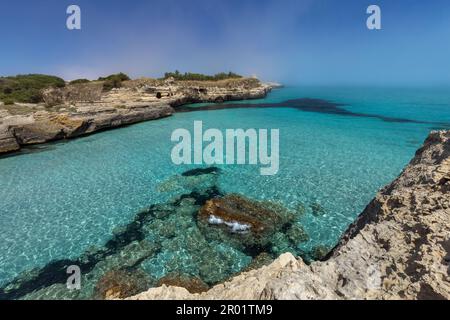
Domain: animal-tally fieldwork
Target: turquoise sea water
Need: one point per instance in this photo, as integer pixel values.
(64, 198)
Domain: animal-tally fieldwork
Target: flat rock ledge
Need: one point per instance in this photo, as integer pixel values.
(398, 248)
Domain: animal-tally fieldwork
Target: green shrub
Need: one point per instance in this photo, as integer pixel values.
(7, 90)
(111, 84)
(121, 76)
(8, 101)
(113, 81)
(27, 88)
(35, 96)
(78, 81)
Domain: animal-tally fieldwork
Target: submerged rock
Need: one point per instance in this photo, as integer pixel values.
(190, 283)
(200, 171)
(262, 259)
(196, 180)
(300, 209)
(320, 252)
(161, 211)
(119, 284)
(317, 209)
(280, 243)
(297, 234)
(245, 223)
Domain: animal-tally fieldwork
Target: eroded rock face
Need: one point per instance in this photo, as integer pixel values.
(405, 227)
(397, 249)
(8, 142)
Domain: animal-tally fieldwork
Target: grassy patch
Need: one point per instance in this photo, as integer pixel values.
(27, 88)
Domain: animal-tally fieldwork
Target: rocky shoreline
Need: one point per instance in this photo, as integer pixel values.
(82, 109)
(398, 248)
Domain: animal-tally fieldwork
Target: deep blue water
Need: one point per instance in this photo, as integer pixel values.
(56, 203)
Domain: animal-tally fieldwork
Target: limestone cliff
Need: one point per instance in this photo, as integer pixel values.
(398, 248)
(86, 108)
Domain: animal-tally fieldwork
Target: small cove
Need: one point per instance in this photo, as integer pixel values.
(56, 204)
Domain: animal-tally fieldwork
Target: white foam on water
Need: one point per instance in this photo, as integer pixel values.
(235, 226)
(214, 220)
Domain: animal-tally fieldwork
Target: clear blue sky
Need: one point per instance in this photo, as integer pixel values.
(292, 41)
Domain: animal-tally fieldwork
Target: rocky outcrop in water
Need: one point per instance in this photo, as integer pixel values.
(399, 247)
(246, 224)
(82, 109)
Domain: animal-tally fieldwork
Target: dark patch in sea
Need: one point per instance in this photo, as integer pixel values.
(254, 251)
(200, 171)
(29, 150)
(199, 197)
(309, 105)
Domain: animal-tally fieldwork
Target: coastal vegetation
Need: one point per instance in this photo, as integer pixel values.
(109, 82)
(79, 81)
(177, 75)
(27, 88)
(113, 81)
(121, 76)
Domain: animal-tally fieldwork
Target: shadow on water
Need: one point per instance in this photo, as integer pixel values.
(31, 149)
(311, 105)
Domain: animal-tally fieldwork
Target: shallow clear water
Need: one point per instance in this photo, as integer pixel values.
(58, 202)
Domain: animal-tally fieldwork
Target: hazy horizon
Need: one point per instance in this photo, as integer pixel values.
(320, 42)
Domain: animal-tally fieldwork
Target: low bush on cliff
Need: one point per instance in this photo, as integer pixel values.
(8, 101)
(113, 81)
(78, 81)
(27, 88)
(201, 77)
(111, 84)
(121, 76)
